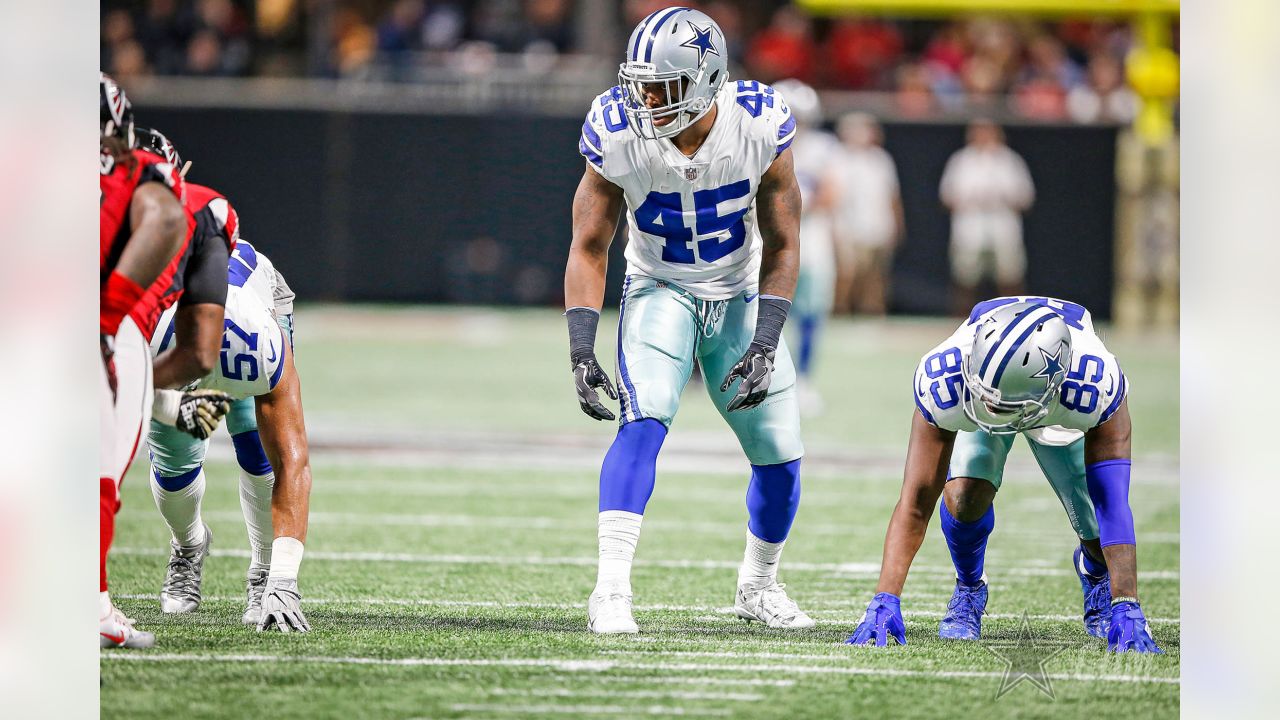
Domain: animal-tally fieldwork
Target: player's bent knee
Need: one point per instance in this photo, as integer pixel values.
(969, 498)
(250, 455)
(174, 483)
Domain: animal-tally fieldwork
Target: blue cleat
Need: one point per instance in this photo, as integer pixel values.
(963, 620)
(1097, 598)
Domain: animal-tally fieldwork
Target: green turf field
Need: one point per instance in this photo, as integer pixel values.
(452, 549)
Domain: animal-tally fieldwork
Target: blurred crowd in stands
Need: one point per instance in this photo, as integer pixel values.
(1035, 69)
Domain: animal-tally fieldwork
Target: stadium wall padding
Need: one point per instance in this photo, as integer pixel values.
(476, 209)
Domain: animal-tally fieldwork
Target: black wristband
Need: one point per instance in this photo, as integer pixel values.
(769, 321)
(582, 333)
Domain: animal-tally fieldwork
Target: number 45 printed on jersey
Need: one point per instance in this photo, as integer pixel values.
(663, 214)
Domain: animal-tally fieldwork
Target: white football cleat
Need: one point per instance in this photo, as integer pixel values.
(771, 606)
(254, 583)
(181, 590)
(609, 613)
(117, 631)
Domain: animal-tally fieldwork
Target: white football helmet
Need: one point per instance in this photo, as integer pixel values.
(1018, 362)
(802, 99)
(682, 50)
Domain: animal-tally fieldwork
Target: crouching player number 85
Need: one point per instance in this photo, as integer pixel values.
(1030, 366)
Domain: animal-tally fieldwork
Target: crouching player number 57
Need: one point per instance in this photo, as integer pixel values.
(1030, 366)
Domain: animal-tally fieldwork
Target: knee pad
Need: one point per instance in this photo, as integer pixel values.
(249, 453)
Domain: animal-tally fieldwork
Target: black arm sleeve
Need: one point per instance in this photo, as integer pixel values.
(205, 280)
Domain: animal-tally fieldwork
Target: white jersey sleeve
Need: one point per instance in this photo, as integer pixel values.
(606, 139)
(938, 384)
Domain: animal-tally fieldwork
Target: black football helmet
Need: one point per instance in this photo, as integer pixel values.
(153, 140)
(114, 110)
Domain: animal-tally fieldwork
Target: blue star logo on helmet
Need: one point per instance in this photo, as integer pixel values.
(701, 41)
(1052, 365)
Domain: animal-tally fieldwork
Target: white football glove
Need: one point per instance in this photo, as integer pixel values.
(282, 607)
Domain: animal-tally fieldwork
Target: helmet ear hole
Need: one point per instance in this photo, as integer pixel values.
(715, 76)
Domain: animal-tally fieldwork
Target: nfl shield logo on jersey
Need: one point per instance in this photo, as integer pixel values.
(691, 174)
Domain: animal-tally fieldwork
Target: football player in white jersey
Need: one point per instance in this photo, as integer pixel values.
(704, 170)
(814, 149)
(256, 368)
(1030, 366)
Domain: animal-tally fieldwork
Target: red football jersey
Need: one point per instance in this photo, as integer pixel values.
(117, 184)
(210, 219)
(214, 215)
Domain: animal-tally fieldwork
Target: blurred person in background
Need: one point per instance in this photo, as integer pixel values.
(784, 49)
(813, 148)
(1103, 97)
(869, 219)
(987, 187)
(861, 54)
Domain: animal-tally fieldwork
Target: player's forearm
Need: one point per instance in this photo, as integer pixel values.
(780, 230)
(290, 501)
(1107, 452)
(906, 533)
(177, 367)
(198, 335)
(924, 476)
(584, 278)
(157, 229)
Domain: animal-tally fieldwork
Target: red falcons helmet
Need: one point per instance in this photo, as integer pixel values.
(115, 111)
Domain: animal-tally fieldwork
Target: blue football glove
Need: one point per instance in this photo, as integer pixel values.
(882, 621)
(1128, 631)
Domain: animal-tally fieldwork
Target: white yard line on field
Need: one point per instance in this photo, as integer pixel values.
(571, 665)
(610, 710)
(865, 569)
(686, 680)
(587, 523)
(630, 694)
(849, 611)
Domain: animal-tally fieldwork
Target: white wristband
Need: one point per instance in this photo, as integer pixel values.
(165, 406)
(286, 558)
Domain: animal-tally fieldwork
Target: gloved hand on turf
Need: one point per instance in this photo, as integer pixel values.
(588, 376)
(1128, 631)
(756, 366)
(200, 411)
(282, 607)
(882, 621)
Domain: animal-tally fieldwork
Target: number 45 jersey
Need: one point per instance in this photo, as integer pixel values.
(1093, 389)
(692, 220)
(252, 357)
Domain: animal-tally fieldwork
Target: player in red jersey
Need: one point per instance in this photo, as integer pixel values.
(143, 228)
(199, 283)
